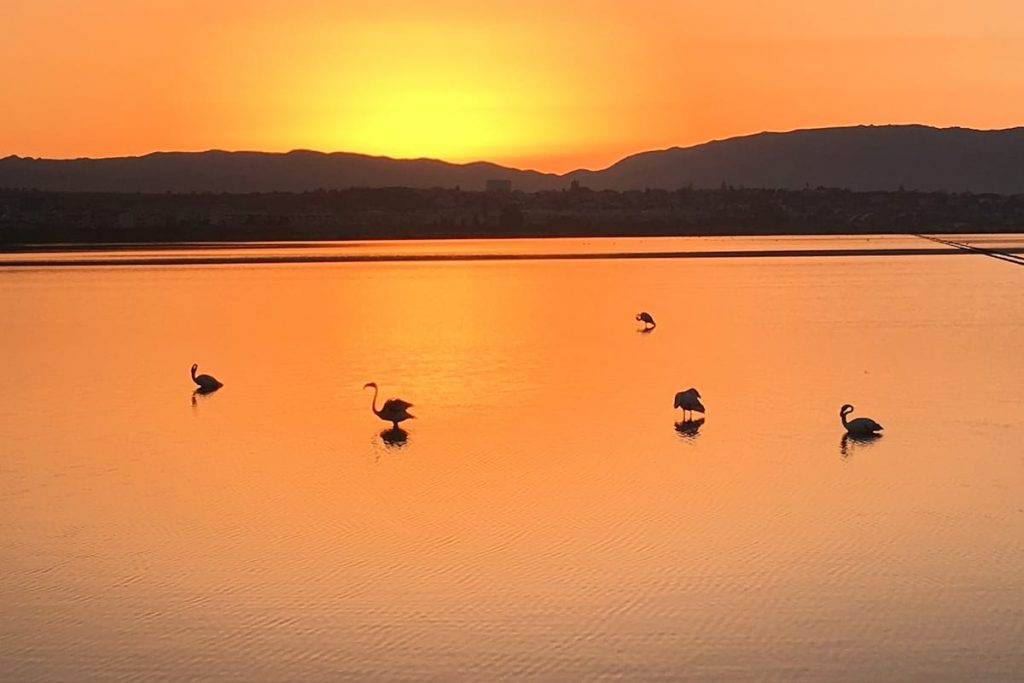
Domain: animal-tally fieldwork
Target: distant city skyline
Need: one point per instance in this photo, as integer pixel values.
(530, 85)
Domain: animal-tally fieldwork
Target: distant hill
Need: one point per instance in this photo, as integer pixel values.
(861, 158)
(218, 171)
(855, 158)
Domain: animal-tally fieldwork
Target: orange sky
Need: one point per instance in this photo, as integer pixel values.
(546, 85)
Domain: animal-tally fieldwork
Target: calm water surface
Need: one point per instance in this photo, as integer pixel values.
(542, 518)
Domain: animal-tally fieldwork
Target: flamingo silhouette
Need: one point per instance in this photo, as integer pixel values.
(689, 400)
(207, 383)
(394, 410)
(647, 320)
(860, 426)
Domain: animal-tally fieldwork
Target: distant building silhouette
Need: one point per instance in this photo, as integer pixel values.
(498, 185)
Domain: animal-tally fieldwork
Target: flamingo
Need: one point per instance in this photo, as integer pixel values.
(646, 319)
(689, 400)
(394, 410)
(861, 426)
(207, 383)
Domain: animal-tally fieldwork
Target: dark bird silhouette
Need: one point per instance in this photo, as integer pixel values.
(861, 426)
(394, 410)
(647, 320)
(207, 383)
(689, 400)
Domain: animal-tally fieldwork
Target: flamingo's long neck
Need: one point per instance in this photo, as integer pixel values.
(193, 373)
(373, 406)
(843, 414)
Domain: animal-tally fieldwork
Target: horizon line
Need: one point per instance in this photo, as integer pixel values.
(493, 163)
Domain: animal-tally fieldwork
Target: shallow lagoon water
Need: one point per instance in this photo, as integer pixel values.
(542, 518)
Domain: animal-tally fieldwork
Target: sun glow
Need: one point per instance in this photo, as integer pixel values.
(427, 90)
(449, 110)
(551, 86)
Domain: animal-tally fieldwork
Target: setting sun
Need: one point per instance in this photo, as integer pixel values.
(542, 85)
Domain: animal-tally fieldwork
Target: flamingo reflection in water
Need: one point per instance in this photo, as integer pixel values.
(396, 437)
(850, 444)
(198, 395)
(689, 428)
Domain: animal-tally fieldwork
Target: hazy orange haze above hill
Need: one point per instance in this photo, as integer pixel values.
(546, 85)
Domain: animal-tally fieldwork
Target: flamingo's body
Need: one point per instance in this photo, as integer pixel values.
(859, 426)
(689, 400)
(646, 319)
(206, 382)
(394, 410)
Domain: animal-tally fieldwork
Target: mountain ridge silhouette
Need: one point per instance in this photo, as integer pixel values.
(860, 158)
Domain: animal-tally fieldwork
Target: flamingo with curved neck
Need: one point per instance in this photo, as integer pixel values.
(860, 426)
(373, 403)
(394, 410)
(647, 319)
(205, 382)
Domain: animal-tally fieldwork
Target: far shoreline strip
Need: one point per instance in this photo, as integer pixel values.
(949, 250)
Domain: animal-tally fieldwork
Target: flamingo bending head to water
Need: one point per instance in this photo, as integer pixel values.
(689, 400)
(394, 410)
(646, 319)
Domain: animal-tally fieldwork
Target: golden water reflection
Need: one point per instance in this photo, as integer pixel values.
(536, 520)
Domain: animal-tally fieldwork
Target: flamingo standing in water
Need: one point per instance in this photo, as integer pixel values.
(859, 426)
(689, 400)
(207, 383)
(394, 410)
(647, 320)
